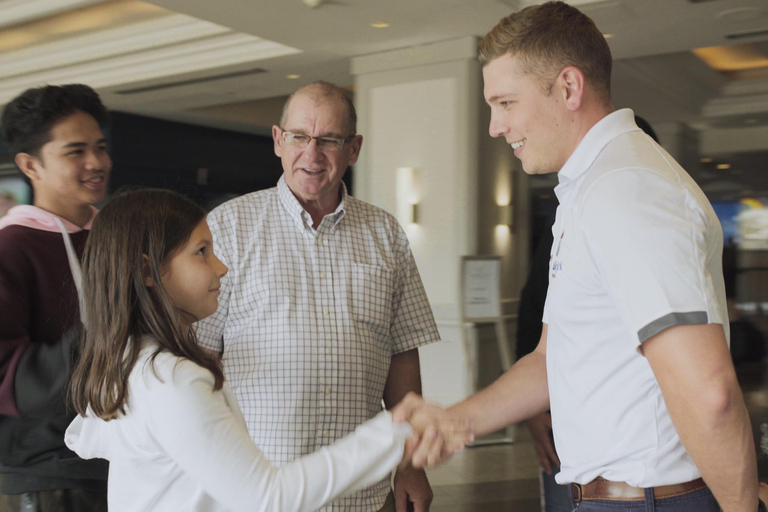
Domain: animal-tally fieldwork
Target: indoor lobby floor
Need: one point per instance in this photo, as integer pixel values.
(505, 477)
(489, 478)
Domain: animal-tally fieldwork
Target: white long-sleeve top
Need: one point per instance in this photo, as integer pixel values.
(180, 446)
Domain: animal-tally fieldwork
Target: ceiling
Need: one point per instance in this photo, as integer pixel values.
(225, 63)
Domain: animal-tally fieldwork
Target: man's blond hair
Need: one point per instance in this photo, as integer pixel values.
(547, 38)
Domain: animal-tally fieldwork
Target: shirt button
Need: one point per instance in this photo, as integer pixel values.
(326, 312)
(320, 240)
(328, 351)
(322, 275)
(327, 391)
(325, 432)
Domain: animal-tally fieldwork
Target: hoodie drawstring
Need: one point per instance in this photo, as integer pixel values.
(74, 266)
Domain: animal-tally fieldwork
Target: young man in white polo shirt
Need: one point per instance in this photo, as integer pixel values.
(633, 359)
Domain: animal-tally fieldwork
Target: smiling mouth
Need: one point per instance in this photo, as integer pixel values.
(517, 144)
(312, 172)
(96, 181)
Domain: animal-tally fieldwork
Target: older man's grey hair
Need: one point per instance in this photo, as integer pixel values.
(323, 91)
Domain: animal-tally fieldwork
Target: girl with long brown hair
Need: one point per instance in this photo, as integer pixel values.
(155, 403)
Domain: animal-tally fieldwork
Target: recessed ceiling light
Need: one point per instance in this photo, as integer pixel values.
(292, 77)
(723, 166)
(380, 24)
(607, 36)
(706, 160)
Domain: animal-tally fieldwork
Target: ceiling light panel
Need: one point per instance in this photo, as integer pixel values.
(143, 52)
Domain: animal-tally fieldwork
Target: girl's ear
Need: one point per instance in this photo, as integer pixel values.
(146, 272)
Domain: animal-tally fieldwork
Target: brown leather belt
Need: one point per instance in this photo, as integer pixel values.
(602, 489)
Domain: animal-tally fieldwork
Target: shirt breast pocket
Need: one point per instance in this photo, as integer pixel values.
(373, 288)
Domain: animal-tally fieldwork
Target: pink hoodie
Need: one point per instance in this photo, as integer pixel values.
(37, 218)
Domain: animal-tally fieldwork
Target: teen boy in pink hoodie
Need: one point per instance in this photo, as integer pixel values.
(56, 135)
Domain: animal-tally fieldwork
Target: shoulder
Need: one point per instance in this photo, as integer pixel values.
(241, 212)
(19, 244)
(167, 372)
(633, 169)
(17, 234)
(245, 202)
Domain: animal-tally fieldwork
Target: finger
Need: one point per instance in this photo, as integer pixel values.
(420, 505)
(763, 491)
(410, 446)
(552, 454)
(401, 499)
(433, 457)
(543, 459)
(421, 454)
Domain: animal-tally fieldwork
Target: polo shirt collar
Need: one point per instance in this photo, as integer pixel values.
(299, 214)
(603, 132)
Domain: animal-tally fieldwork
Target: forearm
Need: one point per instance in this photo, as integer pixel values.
(404, 376)
(517, 395)
(355, 462)
(718, 437)
(694, 370)
(42, 376)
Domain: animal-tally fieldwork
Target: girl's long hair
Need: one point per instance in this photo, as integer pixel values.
(132, 237)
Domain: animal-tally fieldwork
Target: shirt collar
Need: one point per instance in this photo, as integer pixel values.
(603, 132)
(299, 214)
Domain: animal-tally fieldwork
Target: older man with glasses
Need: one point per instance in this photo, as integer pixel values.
(323, 309)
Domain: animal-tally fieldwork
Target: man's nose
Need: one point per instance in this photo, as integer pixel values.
(96, 159)
(313, 150)
(496, 128)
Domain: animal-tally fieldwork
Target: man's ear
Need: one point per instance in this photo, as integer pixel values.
(355, 144)
(28, 165)
(276, 131)
(572, 83)
(146, 272)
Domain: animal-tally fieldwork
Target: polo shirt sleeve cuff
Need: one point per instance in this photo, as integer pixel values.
(672, 320)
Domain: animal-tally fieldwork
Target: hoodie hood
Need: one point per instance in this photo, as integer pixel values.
(43, 220)
(89, 437)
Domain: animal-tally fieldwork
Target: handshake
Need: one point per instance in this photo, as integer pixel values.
(437, 434)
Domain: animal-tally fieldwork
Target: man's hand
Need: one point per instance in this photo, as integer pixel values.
(541, 430)
(412, 490)
(763, 492)
(438, 434)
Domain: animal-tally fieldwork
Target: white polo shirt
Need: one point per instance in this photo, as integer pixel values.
(637, 249)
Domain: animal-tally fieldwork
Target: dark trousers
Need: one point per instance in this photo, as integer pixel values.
(58, 500)
(698, 501)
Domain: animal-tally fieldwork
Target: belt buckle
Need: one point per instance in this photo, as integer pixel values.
(576, 492)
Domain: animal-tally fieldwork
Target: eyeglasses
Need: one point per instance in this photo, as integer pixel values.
(300, 140)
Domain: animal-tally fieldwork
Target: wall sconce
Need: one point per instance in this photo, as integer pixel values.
(505, 215)
(407, 195)
(505, 189)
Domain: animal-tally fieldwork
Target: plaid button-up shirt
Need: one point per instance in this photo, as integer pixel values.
(308, 320)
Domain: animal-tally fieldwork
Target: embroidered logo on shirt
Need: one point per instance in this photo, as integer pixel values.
(557, 264)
